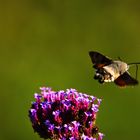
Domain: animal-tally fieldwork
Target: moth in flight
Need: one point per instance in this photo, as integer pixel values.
(108, 70)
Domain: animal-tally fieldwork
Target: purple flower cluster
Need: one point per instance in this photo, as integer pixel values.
(65, 115)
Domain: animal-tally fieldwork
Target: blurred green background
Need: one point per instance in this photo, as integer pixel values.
(46, 43)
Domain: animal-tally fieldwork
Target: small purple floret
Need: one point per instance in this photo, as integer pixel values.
(65, 115)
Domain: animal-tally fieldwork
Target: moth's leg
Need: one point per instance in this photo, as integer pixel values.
(101, 80)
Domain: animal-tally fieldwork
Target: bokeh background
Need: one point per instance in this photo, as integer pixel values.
(46, 43)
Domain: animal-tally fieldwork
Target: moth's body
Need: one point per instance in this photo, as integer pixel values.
(108, 70)
(116, 69)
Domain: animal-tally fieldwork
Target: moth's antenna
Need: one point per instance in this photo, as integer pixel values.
(134, 63)
(119, 58)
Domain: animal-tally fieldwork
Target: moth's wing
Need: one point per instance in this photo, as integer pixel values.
(125, 79)
(99, 60)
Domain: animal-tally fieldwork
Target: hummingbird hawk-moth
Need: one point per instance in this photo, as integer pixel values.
(108, 70)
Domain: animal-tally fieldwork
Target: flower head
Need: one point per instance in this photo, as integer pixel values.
(65, 115)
